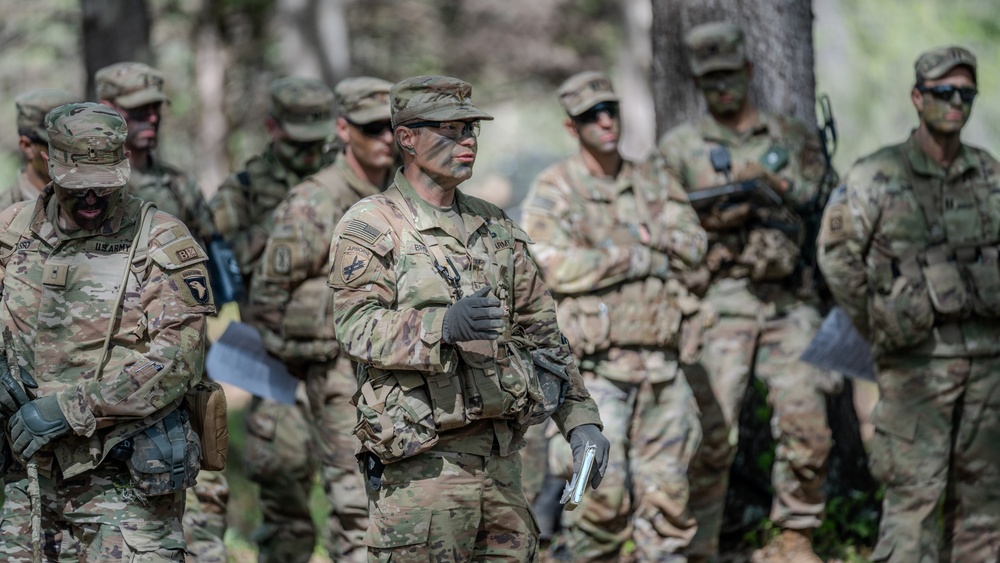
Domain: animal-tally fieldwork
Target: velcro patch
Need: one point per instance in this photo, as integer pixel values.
(281, 259)
(363, 231)
(196, 282)
(352, 265)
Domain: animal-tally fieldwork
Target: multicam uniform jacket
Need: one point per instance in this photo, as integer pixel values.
(587, 235)
(176, 193)
(21, 190)
(910, 251)
(393, 281)
(58, 291)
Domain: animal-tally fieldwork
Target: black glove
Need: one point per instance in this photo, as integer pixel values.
(579, 438)
(12, 396)
(476, 317)
(35, 425)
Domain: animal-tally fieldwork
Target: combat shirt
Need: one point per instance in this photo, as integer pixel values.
(291, 302)
(58, 291)
(586, 233)
(686, 152)
(875, 218)
(176, 193)
(21, 190)
(390, 302)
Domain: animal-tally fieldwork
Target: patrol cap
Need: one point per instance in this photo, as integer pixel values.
(935, 63)
(32, 107)
(304, 107)
(715, 46)
(363, 99)
(87, 146)
(130, 84)
(433, 98)
(584, 90)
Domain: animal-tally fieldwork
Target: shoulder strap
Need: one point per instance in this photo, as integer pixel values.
(141, 239)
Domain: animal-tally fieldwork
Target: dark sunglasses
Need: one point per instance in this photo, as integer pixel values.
(594, 113)
(143, 112)
(373, 129)
(946, 92)
(453, 130)
(80, 193)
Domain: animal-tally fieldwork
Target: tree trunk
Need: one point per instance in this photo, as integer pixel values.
(211, 61)
(314, 38)
(114, 31)
(778, 37)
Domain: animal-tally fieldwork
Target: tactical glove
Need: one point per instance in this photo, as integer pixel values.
(579, 438)
(35, 425)
(12, 396)
(754, 171)
(476, 317)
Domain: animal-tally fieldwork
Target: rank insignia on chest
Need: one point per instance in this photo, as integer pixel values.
(282, 262)
(353, 263)
(197, 284)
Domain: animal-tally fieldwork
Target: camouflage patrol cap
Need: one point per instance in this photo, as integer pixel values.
(715, 46)
(304, 106)
(433, 98)
(32, 107)
(935, 63)
(130, 84)
(584, 90)
(87, 146)
(363, 99)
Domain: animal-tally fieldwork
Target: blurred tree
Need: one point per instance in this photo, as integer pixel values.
(779, 43)
(114, 31)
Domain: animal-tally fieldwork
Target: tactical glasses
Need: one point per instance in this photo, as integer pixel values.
(373, 129)
(594, 113)
(81, 193)
(453, 130)
(946, 92)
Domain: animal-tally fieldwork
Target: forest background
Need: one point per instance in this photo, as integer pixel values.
(220, 55)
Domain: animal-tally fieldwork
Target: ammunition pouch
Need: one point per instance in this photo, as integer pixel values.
(395, 417)
(640, 313)
(983, 276)
(206, 404)
(902, 316)
(770, 254)
(165, 456)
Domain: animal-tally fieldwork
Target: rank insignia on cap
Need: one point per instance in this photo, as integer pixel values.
(197, 284)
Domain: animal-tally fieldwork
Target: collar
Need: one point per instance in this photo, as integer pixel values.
(600, 188)
(712, 131)
(426, 216)
(923, 164)
(361, 186)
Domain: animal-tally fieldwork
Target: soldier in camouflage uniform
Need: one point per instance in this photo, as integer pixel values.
(33, 143)
(96, 410)
(767, 313)
(292, 303)
(439, 302)
(135, 90)
(909, 249)
(278, 454)
(610, 236)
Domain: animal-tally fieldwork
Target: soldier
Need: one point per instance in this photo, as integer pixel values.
(292, 302)
(299, 123)
(908, 245)
(609, 236)
(438, 301)
(278, 454)
(33, 143)
(135, 90)
(104, 316)
(767, 312)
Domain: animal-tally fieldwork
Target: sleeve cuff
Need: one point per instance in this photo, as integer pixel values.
(73, 404)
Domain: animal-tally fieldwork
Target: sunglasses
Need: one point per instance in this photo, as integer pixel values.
(593, 114)
(144, 112)
(373, 129)
(80, 193)
(946, 92)
(453, 130)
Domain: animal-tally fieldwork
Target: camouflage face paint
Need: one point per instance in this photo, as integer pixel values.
(302, 157)
(87, 209)
(441, 157)
(725, 91)
(143, 126)
(600, 136)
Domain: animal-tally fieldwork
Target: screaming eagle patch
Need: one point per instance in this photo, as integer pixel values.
(197, 283)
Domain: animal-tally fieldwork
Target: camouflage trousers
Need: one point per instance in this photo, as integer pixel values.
(95, 516)
(937, 430)
(653, 429)
(278, 457)
(735, 349)
(330, 388)
(451, 507)
(534, 457)
(205, 518)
